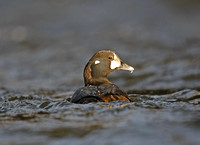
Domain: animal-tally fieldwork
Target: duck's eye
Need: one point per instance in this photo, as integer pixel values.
(110, 57)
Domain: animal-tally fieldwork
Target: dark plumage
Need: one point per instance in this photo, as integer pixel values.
(97, 86)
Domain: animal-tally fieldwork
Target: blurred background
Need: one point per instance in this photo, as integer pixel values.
(46, 44)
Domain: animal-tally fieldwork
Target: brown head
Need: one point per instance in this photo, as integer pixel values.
(100, 65)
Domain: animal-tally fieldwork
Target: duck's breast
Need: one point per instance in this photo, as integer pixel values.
(101, 93)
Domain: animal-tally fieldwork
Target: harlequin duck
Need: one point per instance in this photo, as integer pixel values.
(97, 86)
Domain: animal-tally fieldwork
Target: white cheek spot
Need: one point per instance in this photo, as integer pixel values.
(97, 62)
(114, 64)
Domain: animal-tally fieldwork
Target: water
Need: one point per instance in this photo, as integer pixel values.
(45, 117)
(44, 46)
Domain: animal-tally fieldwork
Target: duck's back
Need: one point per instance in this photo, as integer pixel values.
(100, 93)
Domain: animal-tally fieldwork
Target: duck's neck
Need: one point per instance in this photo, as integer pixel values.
(92, 79)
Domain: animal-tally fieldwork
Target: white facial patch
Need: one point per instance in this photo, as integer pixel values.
(97, 62)
(115, 63)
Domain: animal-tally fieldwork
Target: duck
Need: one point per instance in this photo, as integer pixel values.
(97, 86)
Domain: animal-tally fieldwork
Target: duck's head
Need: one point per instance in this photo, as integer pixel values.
(100, 65)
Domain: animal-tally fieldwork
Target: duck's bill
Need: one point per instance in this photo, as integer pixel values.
(125, 66)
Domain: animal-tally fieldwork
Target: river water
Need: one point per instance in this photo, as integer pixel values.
(44, 46)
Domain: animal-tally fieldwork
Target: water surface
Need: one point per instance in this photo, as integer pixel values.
(44, 46)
